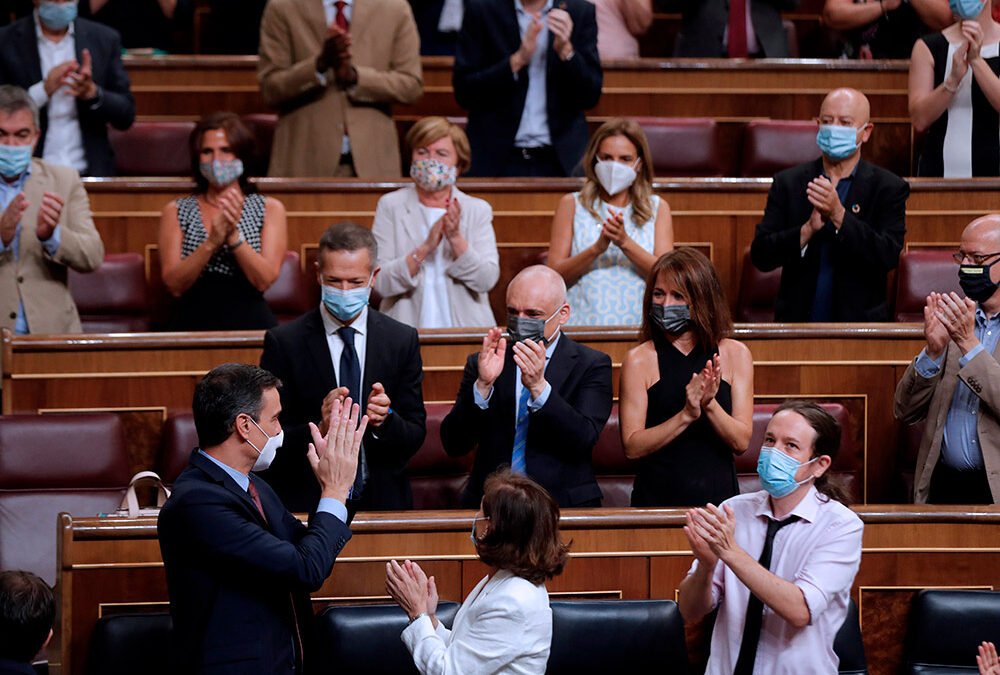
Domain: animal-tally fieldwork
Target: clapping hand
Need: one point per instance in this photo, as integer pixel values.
(934, 330)
(716, 527)
(987, 660)
(712, 375)
(81, 83)
(48, 215)
(491, 359)
(409, 586)
(378, 405)
(822, 194)
(958, 316)
(334, 456)
(561, 25)
(613, 229)
(11, 217)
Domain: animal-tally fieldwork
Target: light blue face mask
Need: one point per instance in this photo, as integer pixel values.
(966, 9)
(347, 304)
(837, 142)
(221, 172)
(777, 471)
(57, 15)
(14, 160)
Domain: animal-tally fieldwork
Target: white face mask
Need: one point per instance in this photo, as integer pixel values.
(615, 176)
(266, 454)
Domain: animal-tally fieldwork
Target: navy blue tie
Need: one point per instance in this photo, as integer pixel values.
(350, 377)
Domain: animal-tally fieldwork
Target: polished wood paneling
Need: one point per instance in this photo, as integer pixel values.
(113, 564)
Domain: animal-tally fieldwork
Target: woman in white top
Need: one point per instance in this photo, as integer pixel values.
(505, 625)
(436, 244)
(606, 237)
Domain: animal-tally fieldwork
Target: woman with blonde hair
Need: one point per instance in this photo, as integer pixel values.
(606, 237)
(436, 244)
(686, 404)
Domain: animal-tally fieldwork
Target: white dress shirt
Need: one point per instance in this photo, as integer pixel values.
(820, 554)
(63, 138)
(533, 130)
(336, 344)
(504, 626)
(435, 310)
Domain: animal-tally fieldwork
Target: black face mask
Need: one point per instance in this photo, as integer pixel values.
(976, 282)
(673, 319)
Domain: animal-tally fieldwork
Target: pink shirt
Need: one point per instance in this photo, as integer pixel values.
(820, 554)
(614, 41)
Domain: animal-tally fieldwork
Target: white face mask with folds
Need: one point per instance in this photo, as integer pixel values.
(266, 454)
(615, 176)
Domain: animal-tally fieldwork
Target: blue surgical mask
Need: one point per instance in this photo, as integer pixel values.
(14, 160)
(777, 471)
(837, 142)
(220, 172)
(966, 9)
(346, 305)
(57, 15)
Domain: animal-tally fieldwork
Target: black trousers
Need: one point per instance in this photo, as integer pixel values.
(951, 486)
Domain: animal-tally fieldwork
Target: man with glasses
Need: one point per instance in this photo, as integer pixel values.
(954, 383)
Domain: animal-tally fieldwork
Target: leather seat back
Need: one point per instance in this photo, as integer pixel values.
(758, 293)
(945, 629)
(152, 149)
(74, 462)
(848, 645)
(436, 479)
(112, 298)
(919, 273)
(772, 145)
(683, 146)
(129, 644)
(615, 472)
(294, 292)
(178, 442)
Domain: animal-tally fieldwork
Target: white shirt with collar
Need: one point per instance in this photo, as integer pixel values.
(533, 129)
(533, 403)
(63, 138)
(336, 344)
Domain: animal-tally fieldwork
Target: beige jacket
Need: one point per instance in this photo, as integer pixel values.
(918, 398)
(37, 280)
(311, 118)
(398, 229)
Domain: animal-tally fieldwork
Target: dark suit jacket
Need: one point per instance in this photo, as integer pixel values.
(486, 87)
(561, 435)
(865, 249)
(230, 573)
(299, 355)
(20, 65)
(704, 23)
(8, 667)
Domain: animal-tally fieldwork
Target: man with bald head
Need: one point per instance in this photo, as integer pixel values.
(533, 399)
(954, 383)
(834, 225)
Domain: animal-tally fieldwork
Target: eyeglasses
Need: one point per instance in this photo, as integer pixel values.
(976, 258)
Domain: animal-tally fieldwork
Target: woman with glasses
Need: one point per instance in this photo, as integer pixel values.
(505, 624)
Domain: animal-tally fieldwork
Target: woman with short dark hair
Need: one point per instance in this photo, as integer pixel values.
(686, 403)
(223, 246)
(505, 624)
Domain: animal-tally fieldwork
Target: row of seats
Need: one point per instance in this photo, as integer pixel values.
(118, 297)
(588, 638)
(41, 475)
(679, 146)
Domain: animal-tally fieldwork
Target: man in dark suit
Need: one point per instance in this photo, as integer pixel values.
(526, 72)
(72, 69)
(378, 364)
(27, 609)
(539, 405)
(834, 225)
(239, 566)
(707, 27)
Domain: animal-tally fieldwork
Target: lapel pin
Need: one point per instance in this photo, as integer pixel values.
(856, 209)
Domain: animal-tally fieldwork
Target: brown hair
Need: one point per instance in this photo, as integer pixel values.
(641, 191)
(695, 277)
(523, 535)
(430, 129)
(348, 236)
(827, 443)
(240, 140)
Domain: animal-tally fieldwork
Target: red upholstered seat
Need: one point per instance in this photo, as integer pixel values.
(772, 145)
(261, 126)
(615, 472)
(437, 480)
(73, 462)
(758, 291)
(113, 298)
(683, 146)
(294, 292)
(178, 441)
(847, 467)
(921, 272)
(152, 149)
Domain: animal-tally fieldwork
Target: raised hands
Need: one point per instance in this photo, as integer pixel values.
(334, 456)
(715, 527)
(48, 215)
(11, 217)
(59, 75)
(530, 358)
(702, 388)
(561, 24)
(934, 330)
(411, 589)
(972, 33)
(529, 41)
(378, 405)
(449, 221)
(987, 660)
(491, 358)
(958, 316)
(223, 228)
(822, 194)
(81, 82)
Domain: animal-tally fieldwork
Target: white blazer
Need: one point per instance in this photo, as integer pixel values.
(398, 229)
(504, 626)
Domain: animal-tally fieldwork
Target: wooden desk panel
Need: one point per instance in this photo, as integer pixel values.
(113, 565)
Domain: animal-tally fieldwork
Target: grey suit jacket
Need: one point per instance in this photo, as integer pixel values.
(704, 23)
(920, 398)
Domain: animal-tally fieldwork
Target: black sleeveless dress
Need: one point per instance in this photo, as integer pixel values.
(697, 467)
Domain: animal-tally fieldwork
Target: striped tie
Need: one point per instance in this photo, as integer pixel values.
(517, 464)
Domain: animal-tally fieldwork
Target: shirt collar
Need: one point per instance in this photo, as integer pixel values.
(71, 32)
(982, 319)
(332, 3)
(331, 324)
(806, 509)
(847, 177)
(551, 347)
(241, 479)
(519, 7)
(17, 185)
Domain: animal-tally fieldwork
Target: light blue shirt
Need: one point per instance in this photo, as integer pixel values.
(960, 447)
(533, 131)
(534, 404)
(7, 193)
(326, 504)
